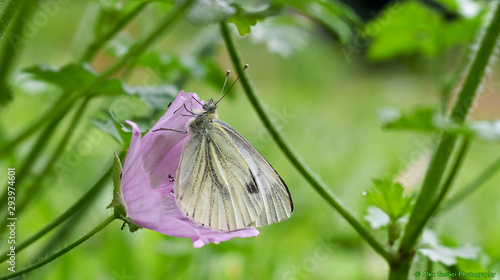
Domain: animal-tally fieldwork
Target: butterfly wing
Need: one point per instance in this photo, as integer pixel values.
(215, 186)
(274, 194)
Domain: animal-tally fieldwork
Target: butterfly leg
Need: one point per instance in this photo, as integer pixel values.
(176, 130)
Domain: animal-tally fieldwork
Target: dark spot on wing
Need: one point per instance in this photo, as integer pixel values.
(252, 187)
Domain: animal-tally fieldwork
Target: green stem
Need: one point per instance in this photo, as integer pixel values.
(8, 11)
(315, 182)
(141, 46)
(474, 185)
(399, 269)
(60, 252)
(451, 177)
(11, 45)
(98, 42)
(439, 162)
(84, 200)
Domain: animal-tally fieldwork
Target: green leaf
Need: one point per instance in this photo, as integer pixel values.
(389, 197)
(70, 77)
(243, 24)
(73, 77)
(426, 119)
(410, 28)
(244, 19)
(445, 255)
(156, 97)
(109, 127)
(421, 119)
(334, 15)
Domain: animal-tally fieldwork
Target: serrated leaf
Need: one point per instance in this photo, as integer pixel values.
(445, 255)
(389, 197)
(244, 24)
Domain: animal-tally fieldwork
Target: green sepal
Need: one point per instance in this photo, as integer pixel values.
(117, 202)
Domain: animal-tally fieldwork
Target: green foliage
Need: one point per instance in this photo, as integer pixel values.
(412, 28)
(115, 129)
(335, 16)
(74, 77)
(420, 119)
(388, 196)
(426, 119)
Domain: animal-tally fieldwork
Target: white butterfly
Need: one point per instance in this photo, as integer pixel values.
(223, 182)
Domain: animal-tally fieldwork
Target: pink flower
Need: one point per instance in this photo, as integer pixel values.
(148, 179)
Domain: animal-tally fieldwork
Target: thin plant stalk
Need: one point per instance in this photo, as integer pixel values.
(80, 203)
(61, 252)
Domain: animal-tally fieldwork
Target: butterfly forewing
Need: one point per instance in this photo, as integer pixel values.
(215, 186)
(277, 202)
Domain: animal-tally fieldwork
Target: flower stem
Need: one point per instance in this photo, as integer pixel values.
(453, 174)
(12, 42)
(315, 182)
(82, 202)
(8, 11)
(61, 252)
(440, 159)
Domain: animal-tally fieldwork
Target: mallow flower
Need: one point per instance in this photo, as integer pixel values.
(145, 198)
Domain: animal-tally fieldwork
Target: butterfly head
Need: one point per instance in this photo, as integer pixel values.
(209, 110)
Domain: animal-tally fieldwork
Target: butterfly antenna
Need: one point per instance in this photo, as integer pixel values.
(222, 96)
(224, 85)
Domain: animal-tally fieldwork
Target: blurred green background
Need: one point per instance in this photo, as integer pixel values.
(323, 94)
